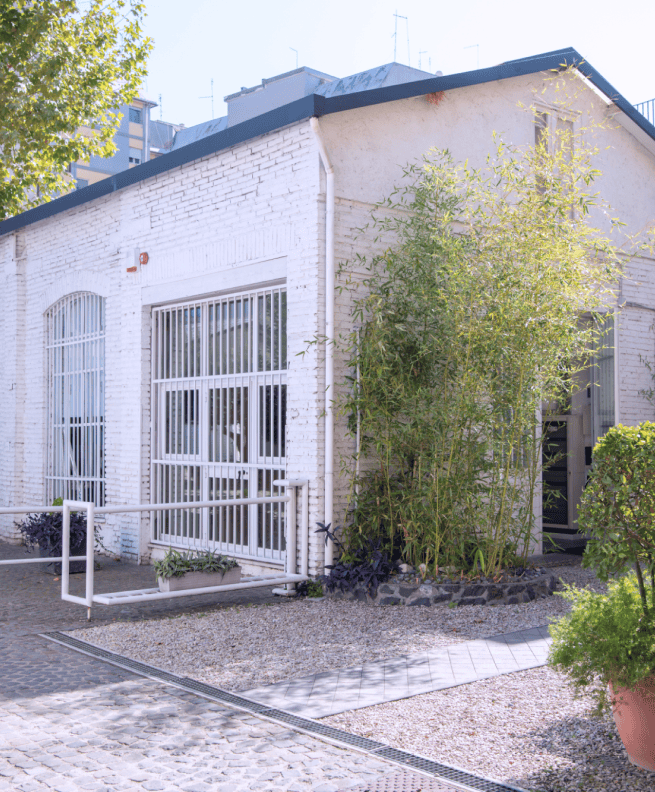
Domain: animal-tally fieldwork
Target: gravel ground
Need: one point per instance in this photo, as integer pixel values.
(524, 728)
(240, 648)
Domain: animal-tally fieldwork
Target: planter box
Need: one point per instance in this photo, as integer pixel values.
(193, 580)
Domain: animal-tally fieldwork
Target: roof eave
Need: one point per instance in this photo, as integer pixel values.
(317, 105)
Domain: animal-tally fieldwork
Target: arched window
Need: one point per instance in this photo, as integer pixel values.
(75, 349)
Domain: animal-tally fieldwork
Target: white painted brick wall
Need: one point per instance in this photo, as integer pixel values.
(252, 203)
(636, 342)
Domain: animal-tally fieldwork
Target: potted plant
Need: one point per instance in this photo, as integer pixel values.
(45, 532)
(200, 569)
(608, 640)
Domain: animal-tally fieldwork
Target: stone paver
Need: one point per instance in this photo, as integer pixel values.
(331, 692)
(69, 722)
(126, 733)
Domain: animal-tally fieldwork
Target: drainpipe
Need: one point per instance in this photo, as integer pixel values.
(329, 335)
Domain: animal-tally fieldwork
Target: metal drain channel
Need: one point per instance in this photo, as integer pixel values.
(452, 775)
(443, 772)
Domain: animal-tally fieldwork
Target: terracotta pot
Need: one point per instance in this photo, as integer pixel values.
(634, 715)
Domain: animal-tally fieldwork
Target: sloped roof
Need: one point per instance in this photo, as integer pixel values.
(190, 134)
(380, 77)
(319, 105)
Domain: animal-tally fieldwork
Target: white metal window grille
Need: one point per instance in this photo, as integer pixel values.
(75, 349)
(602, 391)
(219, 421)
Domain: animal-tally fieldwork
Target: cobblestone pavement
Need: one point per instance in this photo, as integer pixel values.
(35, 602)
(69, 722)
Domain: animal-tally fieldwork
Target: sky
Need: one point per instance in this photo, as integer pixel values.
(236, 44)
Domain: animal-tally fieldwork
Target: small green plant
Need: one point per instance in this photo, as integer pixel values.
(312, 589)
(604, 639)
(176, 563)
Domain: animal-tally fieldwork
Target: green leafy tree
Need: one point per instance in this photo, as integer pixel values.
(64, 71)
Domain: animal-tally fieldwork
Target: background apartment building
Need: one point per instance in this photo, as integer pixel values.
(138, 139)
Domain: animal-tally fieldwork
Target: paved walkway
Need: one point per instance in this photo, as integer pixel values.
(69, 722)
(105, 730)
(330, 692)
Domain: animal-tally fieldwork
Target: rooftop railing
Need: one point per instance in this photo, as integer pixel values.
(647, 109)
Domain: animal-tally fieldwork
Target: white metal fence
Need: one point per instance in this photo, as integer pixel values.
(293, 572)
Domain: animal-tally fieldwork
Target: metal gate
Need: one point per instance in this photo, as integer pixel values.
(219, 392)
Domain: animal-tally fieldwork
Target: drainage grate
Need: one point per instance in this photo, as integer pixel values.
(402, 782)
(443, 772)
(115, 659)
(440, 772)
(221, 695)
(315, 727)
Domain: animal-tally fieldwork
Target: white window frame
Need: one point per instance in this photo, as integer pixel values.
(228, 348)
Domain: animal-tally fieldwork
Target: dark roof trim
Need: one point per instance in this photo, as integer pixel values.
(315, 105)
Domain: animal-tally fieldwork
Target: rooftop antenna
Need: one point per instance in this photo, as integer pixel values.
(395, 34)
(423, 52)
(477, 46)
(296, 51)
(211, 96)
(160, 111)
(409, 60)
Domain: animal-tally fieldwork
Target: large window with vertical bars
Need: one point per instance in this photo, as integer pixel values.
(75, 365)
(219, 419)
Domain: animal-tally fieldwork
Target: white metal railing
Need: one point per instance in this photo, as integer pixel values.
(647, 109)
(290, 577)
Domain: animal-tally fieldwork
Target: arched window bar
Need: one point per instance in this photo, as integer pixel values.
(75, 352)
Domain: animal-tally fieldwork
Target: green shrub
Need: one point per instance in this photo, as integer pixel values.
(606, 638)
(617, 509)
(611, 637)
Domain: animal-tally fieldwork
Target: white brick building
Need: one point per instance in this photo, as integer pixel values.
(190, 377)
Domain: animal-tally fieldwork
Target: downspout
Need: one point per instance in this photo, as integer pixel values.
(329, 336)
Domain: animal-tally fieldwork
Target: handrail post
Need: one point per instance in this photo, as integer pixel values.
(65, 547)
(90, 561)
(291, 534)
(291, 557)
(304, 530)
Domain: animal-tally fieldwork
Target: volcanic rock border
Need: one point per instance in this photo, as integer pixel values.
(427, 593)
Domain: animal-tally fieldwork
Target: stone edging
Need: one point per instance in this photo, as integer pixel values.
(465, 593)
